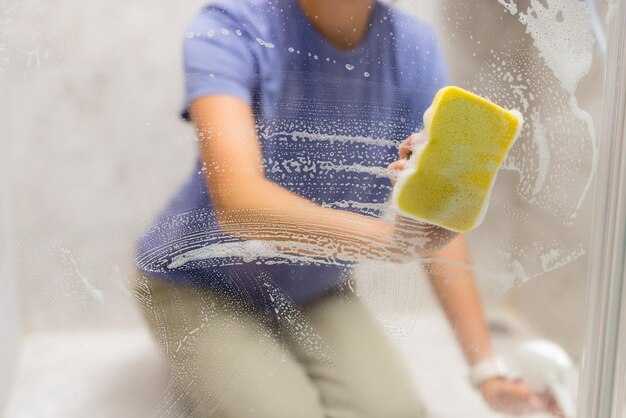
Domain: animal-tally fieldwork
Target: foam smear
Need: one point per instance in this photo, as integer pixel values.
(541, 141)
(562, 34)
(284, 242)
(250, 251)
(70, 260)
(509, 5)
(302, 135)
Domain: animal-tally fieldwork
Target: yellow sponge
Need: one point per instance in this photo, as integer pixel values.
(449, 179)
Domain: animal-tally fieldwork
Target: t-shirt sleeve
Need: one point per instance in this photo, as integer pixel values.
(218, 58)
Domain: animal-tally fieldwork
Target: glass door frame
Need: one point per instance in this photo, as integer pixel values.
(603, 374)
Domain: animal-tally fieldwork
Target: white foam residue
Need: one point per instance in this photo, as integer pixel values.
(289, 244)
(543, 150)
(360, 168)
(586, 117)
(117, 279)
(561, 31)
(346, 204)
(335, 138)
(515, 276)
(264, 43)
(519, 90)
(509, 165)
(509, 5)
(267, 252)
(549, 258)
(519, 272)
(249, 250)
(301, 165)
(554, 259)
(69, 258)
(568, 51)
(449, 262)
(563, 36)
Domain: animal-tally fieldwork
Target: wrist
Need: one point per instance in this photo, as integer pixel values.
(489, 368)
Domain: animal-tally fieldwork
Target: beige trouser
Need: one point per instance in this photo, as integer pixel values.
(326, 358)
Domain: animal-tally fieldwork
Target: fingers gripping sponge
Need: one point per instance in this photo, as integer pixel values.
(449, 179)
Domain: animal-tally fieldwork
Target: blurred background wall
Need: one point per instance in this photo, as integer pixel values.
(89, 104)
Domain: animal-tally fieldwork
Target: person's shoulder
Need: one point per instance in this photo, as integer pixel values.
(240, 8)
(409, 29)
(245, 15)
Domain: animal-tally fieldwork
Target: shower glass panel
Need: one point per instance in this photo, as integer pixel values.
(197, 213)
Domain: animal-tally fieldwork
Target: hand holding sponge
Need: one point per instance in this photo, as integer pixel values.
(449, 179)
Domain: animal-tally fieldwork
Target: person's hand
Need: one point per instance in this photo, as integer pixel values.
(395, 168)
(408, 145)
(404, 152)
(516, 398)
(410, 235)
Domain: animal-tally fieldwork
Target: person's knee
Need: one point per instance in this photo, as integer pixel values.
(395, 407)
(245, 406)
(378, 402)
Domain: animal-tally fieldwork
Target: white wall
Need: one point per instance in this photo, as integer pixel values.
(91, 99)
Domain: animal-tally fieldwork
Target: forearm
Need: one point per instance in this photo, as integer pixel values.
(452, 277)
(259, 209)
(262, 210)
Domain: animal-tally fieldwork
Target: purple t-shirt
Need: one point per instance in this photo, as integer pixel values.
(328, 121)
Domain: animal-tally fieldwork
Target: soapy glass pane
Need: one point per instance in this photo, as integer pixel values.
(101, 152)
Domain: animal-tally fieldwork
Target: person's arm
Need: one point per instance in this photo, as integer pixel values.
(452, 276)
(250, 206)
